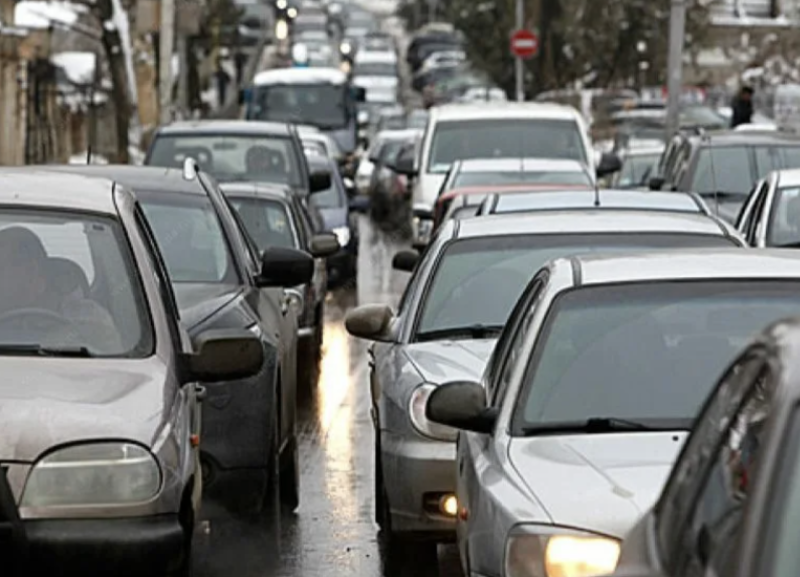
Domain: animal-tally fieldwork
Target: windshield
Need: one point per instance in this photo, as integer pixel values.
(68, 283)
(190, 238)
(724, 169)
(478, 280)
(516, 177)
(517, 138)
(322, 105)
(231, 158)
(636, 167)
(783, 226)
(375, 69)
(645, 351)
(389, 150)
(267, 222)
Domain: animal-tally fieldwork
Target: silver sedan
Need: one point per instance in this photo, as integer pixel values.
(456, 304)
(589, 395)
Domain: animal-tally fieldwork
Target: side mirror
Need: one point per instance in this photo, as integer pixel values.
(285, 267)
(461, 405)
(609, 164)
(423, 213)
(404, 164)
(324, 245)
(405, 260)
(360, 93)
(359, 203)
(656, 183)
(319, 180)
(225, 355)
(371, 322)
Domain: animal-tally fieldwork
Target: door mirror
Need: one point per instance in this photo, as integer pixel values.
(404, 163)
(359, 203)
(319, 180)
(324, 245)
(371, 322)
(656, 183)
(225, 355)
(405, 260)
(285, 267)
(609, 164)
(422, 212)
(359, 93)
(461, 405)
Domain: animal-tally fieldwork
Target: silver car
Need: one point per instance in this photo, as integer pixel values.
(456, 304)
(569, 436)
(99, 401)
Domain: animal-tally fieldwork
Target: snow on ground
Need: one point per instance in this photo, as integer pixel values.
(39, 14)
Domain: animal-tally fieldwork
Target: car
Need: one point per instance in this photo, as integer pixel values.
(417, 119)
(589, 395)
(329, 147)
(334, 208)
(461, 292)
(238, 150)
(220, 280)
(737, 473)
(769, 217)
(391, 119)
(273, 216)
(376, 72)
(102, 385)
(724, 167)
(501, 129)
(637, 166)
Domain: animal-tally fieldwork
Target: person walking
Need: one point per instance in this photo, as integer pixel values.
(742, 107)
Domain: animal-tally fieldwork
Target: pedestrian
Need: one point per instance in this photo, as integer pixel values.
(742, 107)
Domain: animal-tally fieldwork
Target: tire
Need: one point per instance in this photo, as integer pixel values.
(290, 477)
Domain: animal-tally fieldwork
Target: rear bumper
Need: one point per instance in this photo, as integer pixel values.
(119, 547)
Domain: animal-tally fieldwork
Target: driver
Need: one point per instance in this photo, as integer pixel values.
(25, 283)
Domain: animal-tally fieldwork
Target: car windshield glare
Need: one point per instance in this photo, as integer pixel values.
(478, 280)
(231, 158)
(643, 352)
(516, 177)
(266, 221)
(69, 287)
(513, 138)
(190, 238)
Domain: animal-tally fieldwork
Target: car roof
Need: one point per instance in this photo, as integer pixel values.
(42, 188)
(256, 189)
(729, 137)
(788, 177)
(300, 76)
(256, 127)
(520, 164)
(510, 202)
(694, 264)
(502, 189)
(136, 178)
(498, 110)
(589, 221)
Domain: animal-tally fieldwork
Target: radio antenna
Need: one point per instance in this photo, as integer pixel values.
(89, 154)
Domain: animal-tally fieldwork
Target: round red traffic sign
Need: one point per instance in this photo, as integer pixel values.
(524, 44)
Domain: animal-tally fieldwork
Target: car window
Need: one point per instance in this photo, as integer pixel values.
(69, 280)
(266, 221)
(783, 225)
(232, 158)
(333, 196)
(682, 335)
(723, 169)
(712, 533)
(767, 159)
(190, 237)
(636, 168)
(790, 156)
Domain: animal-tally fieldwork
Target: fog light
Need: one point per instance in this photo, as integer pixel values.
(448, 504)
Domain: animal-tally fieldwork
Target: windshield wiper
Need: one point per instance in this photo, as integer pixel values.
(721, 194)
(591, 426)
(46, 351)
(470, 332)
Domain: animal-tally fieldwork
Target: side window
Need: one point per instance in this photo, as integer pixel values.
(677, 502)
(766, 159)
(713, 531)
(251, 250)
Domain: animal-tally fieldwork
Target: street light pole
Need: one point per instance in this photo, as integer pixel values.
(519, 65)
(166, 39)
(677, 31)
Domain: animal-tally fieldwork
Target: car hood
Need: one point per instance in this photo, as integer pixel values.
(442, 361)
(600, 483)
(49, 402)
(334, 217)
(198, 301)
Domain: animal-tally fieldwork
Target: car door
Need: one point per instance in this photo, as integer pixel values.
(319, 283)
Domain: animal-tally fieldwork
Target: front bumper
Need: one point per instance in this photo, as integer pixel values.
(118, 547)
(411, 468)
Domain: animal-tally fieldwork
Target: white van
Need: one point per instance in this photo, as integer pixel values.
(496, 130)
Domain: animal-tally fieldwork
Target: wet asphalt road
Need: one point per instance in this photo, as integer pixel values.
(333, 532)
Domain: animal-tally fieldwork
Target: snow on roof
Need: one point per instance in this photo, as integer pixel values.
(300, 76)
(78, 66)
(40, 14)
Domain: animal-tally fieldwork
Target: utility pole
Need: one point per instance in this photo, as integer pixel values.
(519, 64)
(183, 74)
(677, 31)
(166, 43)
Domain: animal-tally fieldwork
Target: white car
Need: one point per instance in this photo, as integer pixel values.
(376, 71)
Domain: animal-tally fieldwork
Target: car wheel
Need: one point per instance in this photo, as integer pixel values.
(290, 476)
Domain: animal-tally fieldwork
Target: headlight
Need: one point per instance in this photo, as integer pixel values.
(539, 552)
(342, 235)
(416, 412)
(93, 474)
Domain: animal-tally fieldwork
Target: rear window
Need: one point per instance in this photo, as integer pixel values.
(724, 169)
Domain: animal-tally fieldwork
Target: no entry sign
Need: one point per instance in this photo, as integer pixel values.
(524, 44)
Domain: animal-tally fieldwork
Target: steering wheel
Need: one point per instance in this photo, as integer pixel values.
(32, 318)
